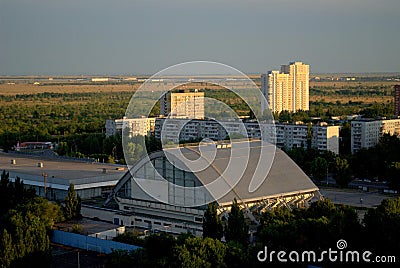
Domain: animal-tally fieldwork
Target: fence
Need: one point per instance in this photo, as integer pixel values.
(88, 243)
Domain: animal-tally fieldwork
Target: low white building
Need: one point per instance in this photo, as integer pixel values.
(100, 79)
(51, 177)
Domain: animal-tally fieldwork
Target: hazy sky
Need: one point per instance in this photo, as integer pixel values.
(146, 36)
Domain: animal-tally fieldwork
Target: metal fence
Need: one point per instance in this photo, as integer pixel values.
(88, 243)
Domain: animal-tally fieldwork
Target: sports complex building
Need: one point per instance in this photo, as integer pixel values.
(159, 194)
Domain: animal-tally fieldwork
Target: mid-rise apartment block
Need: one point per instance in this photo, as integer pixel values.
(183, 104)
(291, 135)
(287, 89)
(134, 126)
(397, 100)
(366, 132)
(325, 138)
(322, 137)
(176, 130)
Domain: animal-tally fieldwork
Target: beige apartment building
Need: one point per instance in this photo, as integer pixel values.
(183, 104)
(135, 126)
(325, 138)
(288, 89)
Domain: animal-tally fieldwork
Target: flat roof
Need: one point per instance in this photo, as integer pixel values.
(89, 226)
(60, 171)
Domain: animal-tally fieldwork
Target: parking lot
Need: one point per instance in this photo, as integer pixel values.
(355, 198)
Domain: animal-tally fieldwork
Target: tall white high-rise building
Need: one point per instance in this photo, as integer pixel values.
(288, 89)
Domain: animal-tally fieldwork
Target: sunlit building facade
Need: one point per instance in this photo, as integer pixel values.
(287, 89)
(183, 104)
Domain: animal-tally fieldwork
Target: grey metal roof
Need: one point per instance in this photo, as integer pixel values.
(284, 176)
(277, 174)
(60, 173)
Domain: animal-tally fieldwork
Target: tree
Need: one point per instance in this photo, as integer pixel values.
(153, 244)
(236, 255)
(152, 144)
(382, 226)
(342, 172)
(48, 212)
(285, 116)
(284, 229)
(212, 226)
(26, 229)
(321, 208)
(6, 249)
(345, 139)
(5, 196)
(62, 148)
(134, 151)
(72, 205)
(394, 175)
(13, 194)
(319, 168)
(237, 228)
(198, 252)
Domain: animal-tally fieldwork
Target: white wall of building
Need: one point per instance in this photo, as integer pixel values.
(365, 133)
(135, 126)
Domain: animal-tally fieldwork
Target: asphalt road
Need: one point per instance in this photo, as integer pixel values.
(354, 197)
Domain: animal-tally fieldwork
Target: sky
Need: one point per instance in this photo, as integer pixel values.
(78, 37)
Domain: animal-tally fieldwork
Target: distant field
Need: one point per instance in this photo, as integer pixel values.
(10, 90)
(32, 89)
(332, 90)
(346, 99)
(365, 92)
(352, 84)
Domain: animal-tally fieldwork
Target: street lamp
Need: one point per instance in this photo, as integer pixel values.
(44, 174)
(327, 169)
(327, 182)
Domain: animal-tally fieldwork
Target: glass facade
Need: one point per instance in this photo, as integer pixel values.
(168, 172)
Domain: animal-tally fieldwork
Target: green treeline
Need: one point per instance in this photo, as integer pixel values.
(26, 221)
(55, 116)
(59, 116)
(25, 224)
(317, 228)
(381, 162)
(325, 110)
(359, 90)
